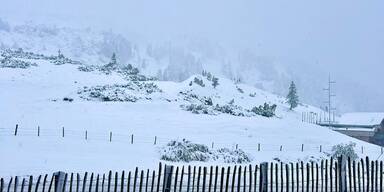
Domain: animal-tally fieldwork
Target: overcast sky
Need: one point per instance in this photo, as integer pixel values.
(345, 35)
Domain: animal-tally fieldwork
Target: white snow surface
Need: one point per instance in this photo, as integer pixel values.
(34, 97)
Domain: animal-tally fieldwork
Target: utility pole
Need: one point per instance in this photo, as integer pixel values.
(330, 95)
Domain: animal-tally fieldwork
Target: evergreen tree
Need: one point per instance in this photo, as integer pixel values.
(60, 55)
(113, 59)
(209, 76)
(292, 98)
(215, 81)
(129, 67)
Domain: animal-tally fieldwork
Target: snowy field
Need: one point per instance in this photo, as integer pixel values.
(33, 97)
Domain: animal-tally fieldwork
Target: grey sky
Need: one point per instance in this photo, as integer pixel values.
(345, 35)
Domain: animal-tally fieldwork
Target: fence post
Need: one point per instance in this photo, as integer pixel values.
(1, 184)
(132, 139)
(59, 181)
(110, 136)
(263, 177)
(154, 143)
(38, 131)
(167, 178)
(63, 132)
(342, 174)
(17, 126)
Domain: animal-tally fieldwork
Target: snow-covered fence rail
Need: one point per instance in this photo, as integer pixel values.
(118, 137)
(342, 174)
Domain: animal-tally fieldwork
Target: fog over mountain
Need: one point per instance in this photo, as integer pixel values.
(264, 43)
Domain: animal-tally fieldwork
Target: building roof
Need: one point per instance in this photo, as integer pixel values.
(362, 118)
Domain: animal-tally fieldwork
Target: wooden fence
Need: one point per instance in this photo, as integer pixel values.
(326, 176)
(110, 136)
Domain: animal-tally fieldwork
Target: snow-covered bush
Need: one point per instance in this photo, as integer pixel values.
(198, 109)
(210, 77)
(108, 68)
(346, 150)
(186, 151)
(239, 89)
(61, 60)
(231, 109)
(265, 110)
(137, 77)
(87, 68)
(204, 105)
(130, 92)
(207, 101)
(21, 54)
(199, 81)
(128, 72)
(234, 110)
(232, 156)
(8, 62)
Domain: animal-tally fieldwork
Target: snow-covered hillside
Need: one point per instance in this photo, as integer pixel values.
(100, 100)
(177, 58)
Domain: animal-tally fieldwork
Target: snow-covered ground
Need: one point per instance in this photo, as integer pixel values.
(34, 96)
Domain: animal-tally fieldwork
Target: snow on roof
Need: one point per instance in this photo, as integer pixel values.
(362, 118)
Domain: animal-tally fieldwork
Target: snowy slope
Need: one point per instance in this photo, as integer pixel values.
(177, 58)
(85, 45)
(34, 96)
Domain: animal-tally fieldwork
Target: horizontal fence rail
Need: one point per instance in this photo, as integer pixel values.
(339, 175)
(116, 137)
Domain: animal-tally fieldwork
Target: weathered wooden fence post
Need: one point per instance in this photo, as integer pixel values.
(30, 183)
(16, 183)
(1, 184)
(59, 181)
(167, 178)
(17, 126)
(263, 177)
(342, 174)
